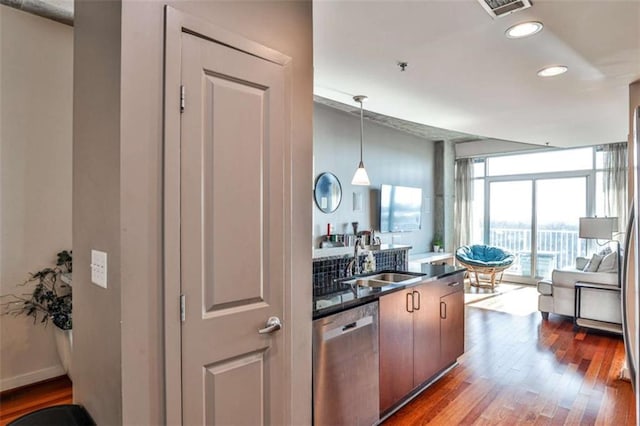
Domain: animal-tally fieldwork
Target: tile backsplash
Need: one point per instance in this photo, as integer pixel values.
(327, 270)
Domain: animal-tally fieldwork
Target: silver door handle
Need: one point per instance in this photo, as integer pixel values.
(273, 324)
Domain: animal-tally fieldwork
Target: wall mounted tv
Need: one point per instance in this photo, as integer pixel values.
(400, 208)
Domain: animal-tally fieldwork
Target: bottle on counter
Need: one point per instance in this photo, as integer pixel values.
(370, 262)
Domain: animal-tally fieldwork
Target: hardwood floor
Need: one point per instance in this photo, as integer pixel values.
(17, 402)
(518, 369)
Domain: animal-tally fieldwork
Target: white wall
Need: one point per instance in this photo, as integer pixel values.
(390, 157)
(35, 178)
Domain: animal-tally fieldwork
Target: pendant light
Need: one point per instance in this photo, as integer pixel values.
(361, 177)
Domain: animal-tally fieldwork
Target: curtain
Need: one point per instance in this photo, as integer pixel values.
(615, 182)
(463, 201)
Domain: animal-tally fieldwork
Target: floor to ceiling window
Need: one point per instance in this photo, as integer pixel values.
(559, 205)
(531, 203)
(510, 220)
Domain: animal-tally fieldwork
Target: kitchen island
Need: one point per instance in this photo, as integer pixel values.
(419, 330)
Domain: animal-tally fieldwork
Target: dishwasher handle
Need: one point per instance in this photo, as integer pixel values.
(348, 328)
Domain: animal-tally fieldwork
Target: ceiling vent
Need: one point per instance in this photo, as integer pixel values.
(498, 8)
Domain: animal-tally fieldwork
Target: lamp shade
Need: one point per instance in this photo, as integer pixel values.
(600, 228)
(360, 177)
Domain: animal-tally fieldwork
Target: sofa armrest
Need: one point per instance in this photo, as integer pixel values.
(569, 277)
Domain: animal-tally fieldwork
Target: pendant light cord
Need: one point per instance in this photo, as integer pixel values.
(361, 129)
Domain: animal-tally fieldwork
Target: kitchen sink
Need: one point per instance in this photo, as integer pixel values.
(368, 282)
(393, 277)
(383, 279)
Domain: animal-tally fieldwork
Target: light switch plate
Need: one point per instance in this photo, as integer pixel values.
(99, 268)
(357, 201)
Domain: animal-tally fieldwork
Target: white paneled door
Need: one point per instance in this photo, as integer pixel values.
(232, 197)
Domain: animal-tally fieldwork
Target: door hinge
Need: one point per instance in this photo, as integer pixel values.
(181, 98)
(182, 308)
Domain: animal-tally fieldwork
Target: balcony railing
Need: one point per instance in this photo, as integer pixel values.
(556, 249)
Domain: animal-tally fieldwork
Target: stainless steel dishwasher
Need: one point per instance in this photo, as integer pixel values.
(345, 368)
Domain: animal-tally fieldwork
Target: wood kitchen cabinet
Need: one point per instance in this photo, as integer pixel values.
(421, 333)
(426, 334)
(451, 327)
(396, 347)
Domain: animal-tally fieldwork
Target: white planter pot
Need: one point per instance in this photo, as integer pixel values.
(64, 344)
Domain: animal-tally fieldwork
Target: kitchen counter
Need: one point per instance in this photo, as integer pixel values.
(340, 296)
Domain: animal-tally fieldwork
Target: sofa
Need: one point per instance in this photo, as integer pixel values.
(557, 295)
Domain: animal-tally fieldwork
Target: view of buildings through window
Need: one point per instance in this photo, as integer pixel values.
(530, 204)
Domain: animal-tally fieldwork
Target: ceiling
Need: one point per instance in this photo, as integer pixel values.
(464, 75)
(465, 81)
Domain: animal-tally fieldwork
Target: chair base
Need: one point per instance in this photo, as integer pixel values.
(494, 274)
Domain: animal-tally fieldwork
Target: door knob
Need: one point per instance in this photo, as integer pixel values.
(273, 324)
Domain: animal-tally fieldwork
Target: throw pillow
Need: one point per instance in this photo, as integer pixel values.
(609, 263)
(594, 262)
(605, 251)
(581, 262)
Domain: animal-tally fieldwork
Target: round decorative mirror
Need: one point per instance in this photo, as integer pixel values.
(327, 192)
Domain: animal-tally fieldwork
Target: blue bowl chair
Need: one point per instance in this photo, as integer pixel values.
(481, 260)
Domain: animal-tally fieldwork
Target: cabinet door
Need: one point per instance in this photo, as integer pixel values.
(396, 347)
(451, 327)
(426, 332)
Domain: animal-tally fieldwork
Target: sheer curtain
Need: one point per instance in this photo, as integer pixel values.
(463, 201)
(614, 182)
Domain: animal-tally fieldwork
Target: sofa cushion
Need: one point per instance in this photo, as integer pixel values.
(609, 263)
(593, 264)
(569, 277)
(484, 256)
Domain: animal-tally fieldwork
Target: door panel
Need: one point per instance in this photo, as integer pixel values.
(225, 402)
(232, 246)
(234, 211)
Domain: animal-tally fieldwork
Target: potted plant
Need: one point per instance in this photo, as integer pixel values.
(50, 300)
(436, 242)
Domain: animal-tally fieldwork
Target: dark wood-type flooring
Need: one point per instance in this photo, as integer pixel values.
(17, 402)
(518, 369)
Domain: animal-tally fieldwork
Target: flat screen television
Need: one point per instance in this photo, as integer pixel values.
(400, 208)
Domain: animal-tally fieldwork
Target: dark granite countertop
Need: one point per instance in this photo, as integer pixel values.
(340, 296)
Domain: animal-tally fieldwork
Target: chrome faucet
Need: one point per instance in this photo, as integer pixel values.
(354, 266)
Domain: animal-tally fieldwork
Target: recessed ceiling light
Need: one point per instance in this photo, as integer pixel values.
(552, 71)
(523, 29)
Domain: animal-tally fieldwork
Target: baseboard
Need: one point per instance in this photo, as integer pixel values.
(625, 374)
(31, 377)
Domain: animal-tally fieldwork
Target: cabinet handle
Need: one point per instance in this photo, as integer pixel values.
(454, 284)
(414, 299)
(443, 312)
(409, 302)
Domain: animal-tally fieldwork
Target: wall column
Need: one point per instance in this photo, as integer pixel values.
(444, 188)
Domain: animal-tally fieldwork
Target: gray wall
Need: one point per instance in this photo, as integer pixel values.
(390, 157)
(97, 212)
(118, 123)
(35, 178)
